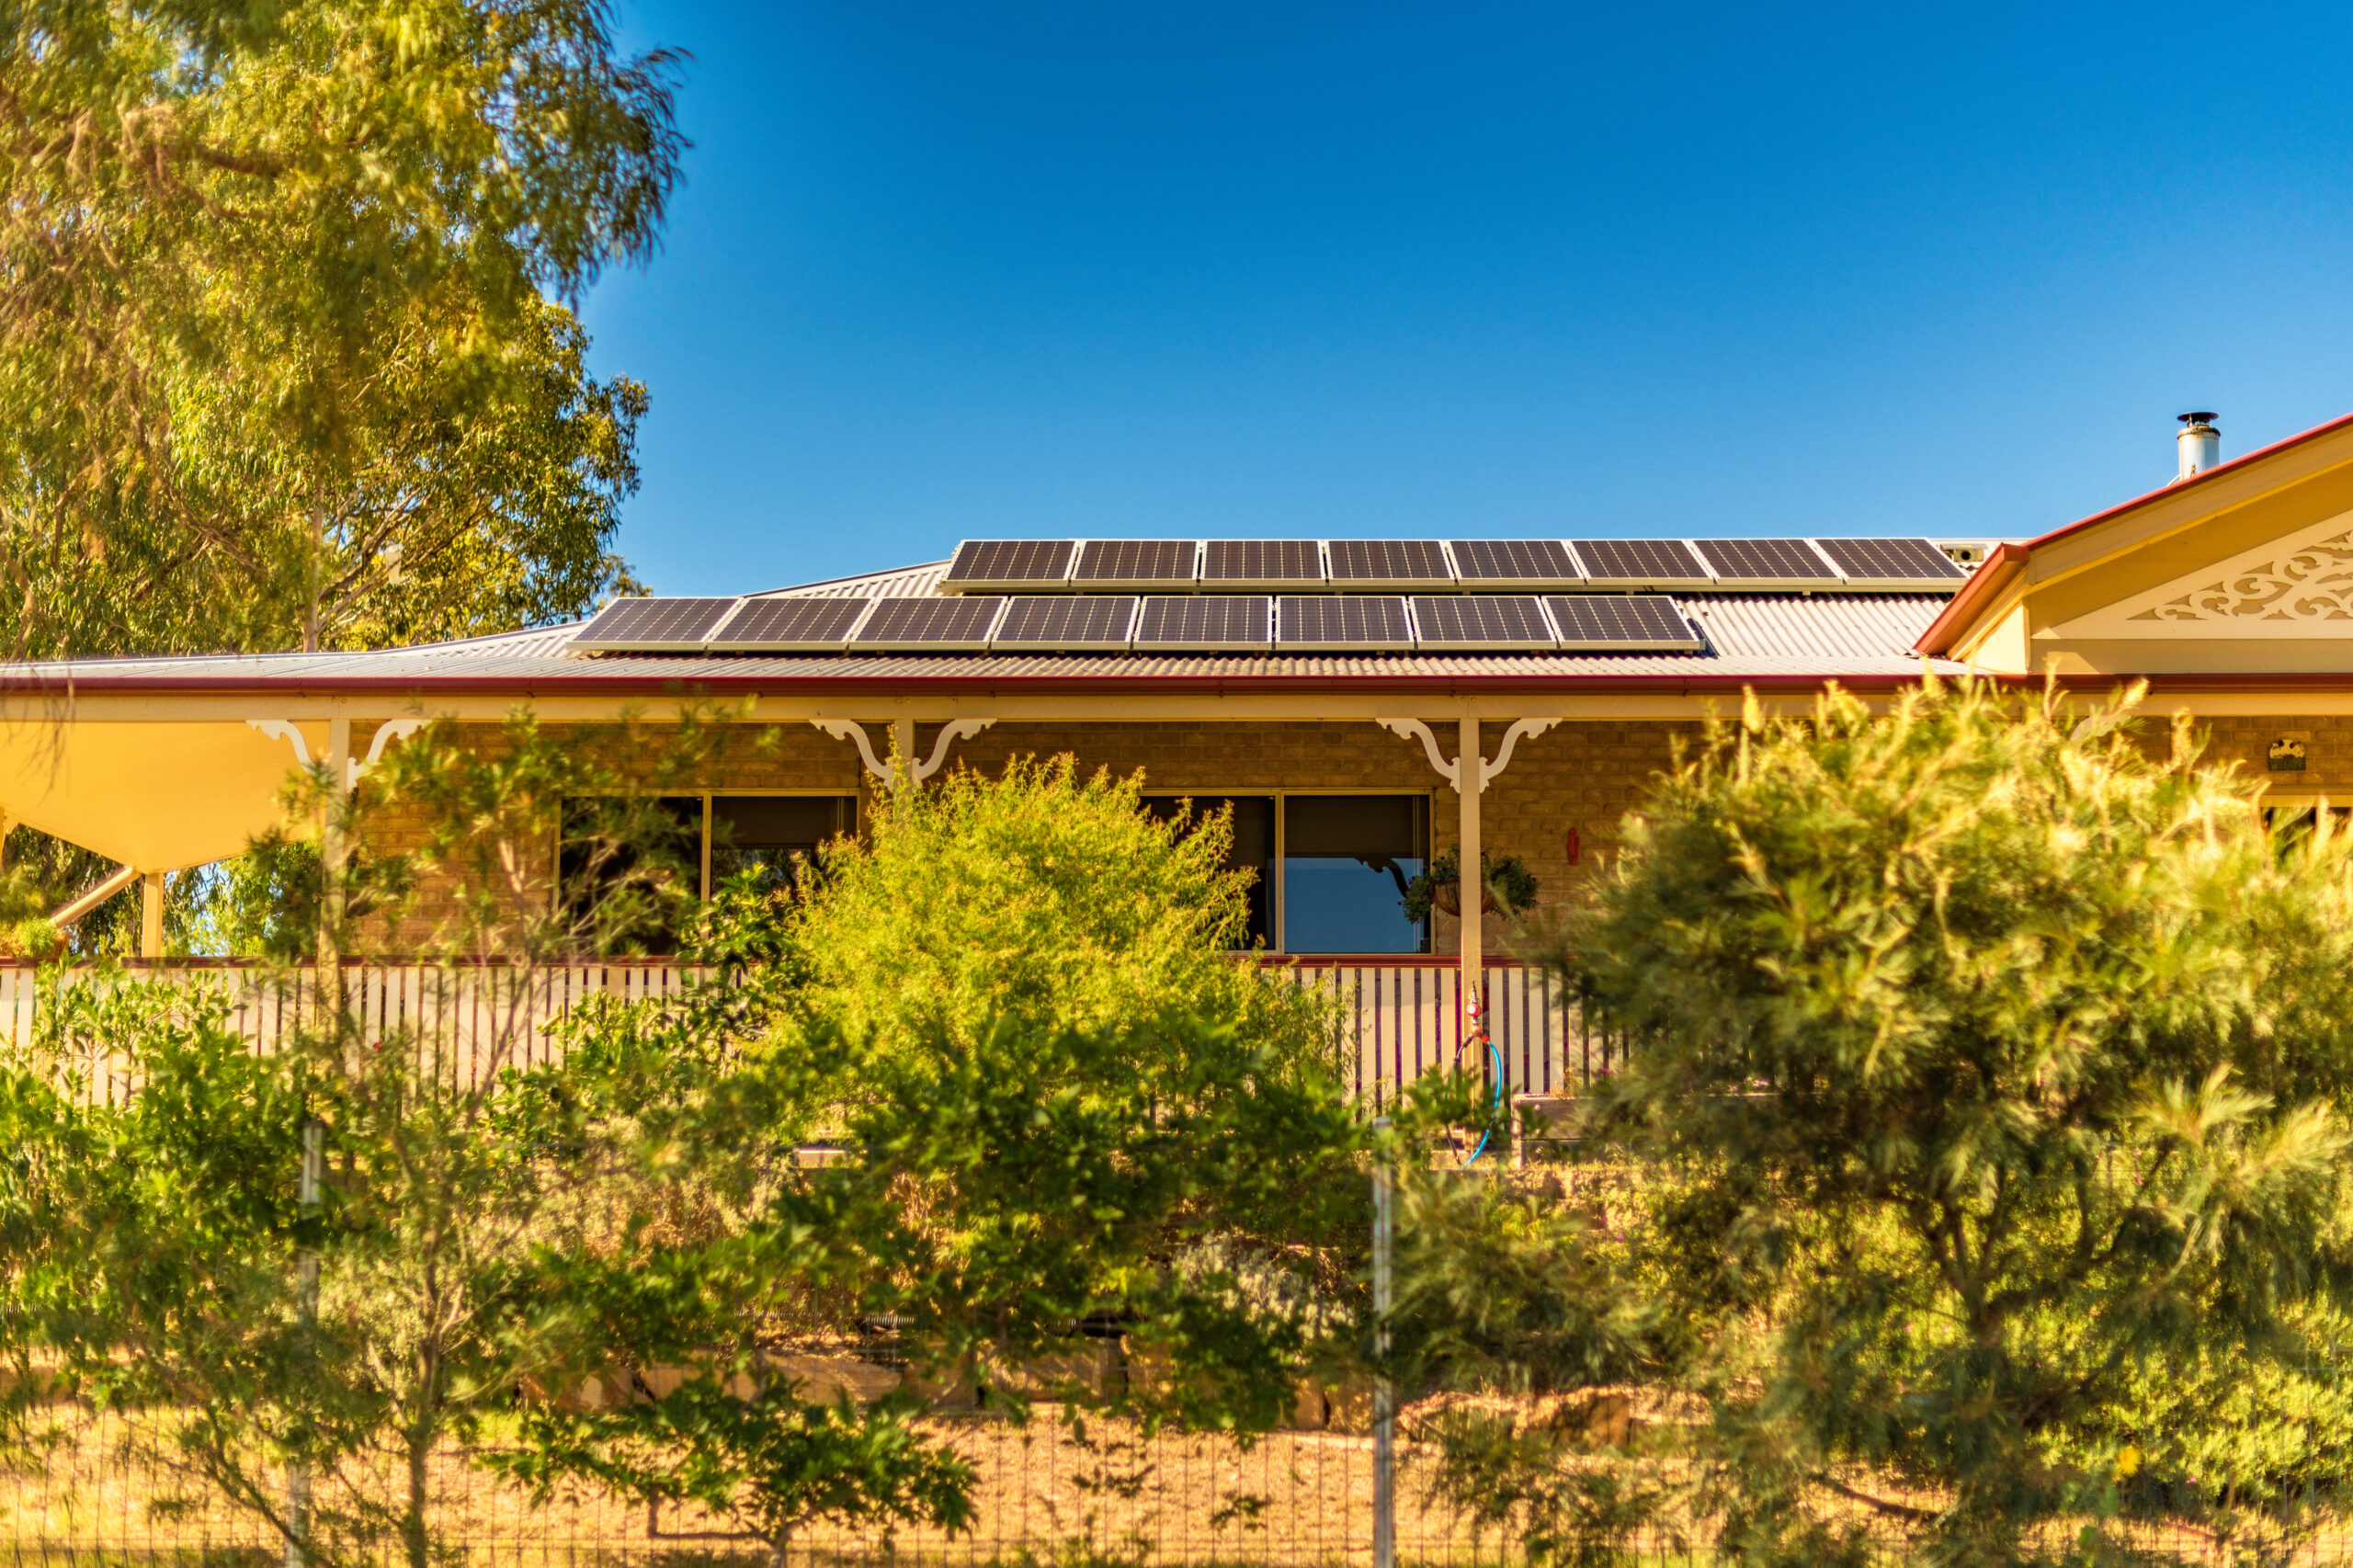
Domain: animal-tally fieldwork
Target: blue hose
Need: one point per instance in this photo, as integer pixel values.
(1496, 1056)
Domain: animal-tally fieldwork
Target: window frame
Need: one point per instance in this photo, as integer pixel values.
(856, 797)
(1278, 942)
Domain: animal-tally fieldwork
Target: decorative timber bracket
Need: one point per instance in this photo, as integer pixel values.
(390, 731)
(1414, 729)
(851, 730)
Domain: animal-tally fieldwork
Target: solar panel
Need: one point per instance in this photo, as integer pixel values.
(1524, 562)
(653, 626)
(1065, 624)
(1206, 622)
(1894, 562)
(1405, 562)
(1360, 623)
(1008, 563)
(1471, 622)
(1136, 563)
(1621, 623)
(929, 626)
(788, 625)
(1261, 562)
(1641, 563)
(1766, 564)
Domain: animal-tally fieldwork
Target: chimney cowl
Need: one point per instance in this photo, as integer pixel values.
(2199, 445)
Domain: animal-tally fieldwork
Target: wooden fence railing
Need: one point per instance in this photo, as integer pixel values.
(1401, 1017)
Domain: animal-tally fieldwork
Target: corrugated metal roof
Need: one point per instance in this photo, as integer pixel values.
(904, 582)
(1750, 635)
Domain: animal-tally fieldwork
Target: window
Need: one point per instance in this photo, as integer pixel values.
(1346, 859)
(1252, 849)
(762, 831)
(767, 832)
(589, 864)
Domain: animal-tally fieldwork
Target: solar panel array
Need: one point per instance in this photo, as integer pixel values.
(1218, 596)
(1279, 565)
(1168, 623)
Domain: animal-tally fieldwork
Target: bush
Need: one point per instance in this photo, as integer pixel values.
(1991, 1068)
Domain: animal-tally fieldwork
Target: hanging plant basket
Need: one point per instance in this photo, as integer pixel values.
(1509, 888)
(1447, 898)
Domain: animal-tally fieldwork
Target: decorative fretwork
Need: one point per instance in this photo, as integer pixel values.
(2313, 582)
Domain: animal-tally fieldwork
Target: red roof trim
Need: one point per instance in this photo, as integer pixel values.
(525, 686)
(1993, 575)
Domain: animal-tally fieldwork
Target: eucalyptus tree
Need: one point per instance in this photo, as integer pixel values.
(274, 289)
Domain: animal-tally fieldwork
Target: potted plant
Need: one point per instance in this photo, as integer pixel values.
(1508, 887)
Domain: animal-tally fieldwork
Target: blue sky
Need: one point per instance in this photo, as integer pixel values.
(1013, 271)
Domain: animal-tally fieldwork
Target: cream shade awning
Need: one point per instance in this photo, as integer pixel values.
(156, 795)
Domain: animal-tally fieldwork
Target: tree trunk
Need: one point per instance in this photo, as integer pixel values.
(413, 1515)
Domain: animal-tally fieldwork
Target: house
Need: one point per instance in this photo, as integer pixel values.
(1363, 704)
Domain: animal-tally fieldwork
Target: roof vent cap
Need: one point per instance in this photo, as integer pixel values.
(2199, 445)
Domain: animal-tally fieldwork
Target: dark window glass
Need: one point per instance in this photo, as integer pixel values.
(592, 862)
(767, 832)
(1346, 859)
(1252, 849)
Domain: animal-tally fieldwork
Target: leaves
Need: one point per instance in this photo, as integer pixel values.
(2009, 1060)
(271, 301)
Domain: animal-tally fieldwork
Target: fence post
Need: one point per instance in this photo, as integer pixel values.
(306, 1284)
(1384, 1401)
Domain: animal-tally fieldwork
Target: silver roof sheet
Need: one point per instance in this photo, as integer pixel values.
(1750, 635)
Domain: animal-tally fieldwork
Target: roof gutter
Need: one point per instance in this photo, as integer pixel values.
(769, 683)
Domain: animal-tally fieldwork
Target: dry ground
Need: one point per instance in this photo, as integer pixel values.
(1045, 1497)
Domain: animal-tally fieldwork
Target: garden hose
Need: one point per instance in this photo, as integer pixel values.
(1478, 1032)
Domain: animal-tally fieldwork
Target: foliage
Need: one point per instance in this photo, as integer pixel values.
(275, 303)
(466, 505)
(1041, 897)
(159, 1267)
(767, 1462)
(1506, 880)
(2000, 1062)
(495, 1216)
(1013, 1147)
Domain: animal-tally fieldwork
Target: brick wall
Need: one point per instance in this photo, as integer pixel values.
(1581, 776)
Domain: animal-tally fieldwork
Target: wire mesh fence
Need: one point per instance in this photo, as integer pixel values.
(104, 1487)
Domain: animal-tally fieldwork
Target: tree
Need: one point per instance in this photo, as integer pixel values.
(498, 1214)
(1053, 1102)
(1992, 1072)
(259, 264)
(153, 1244)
